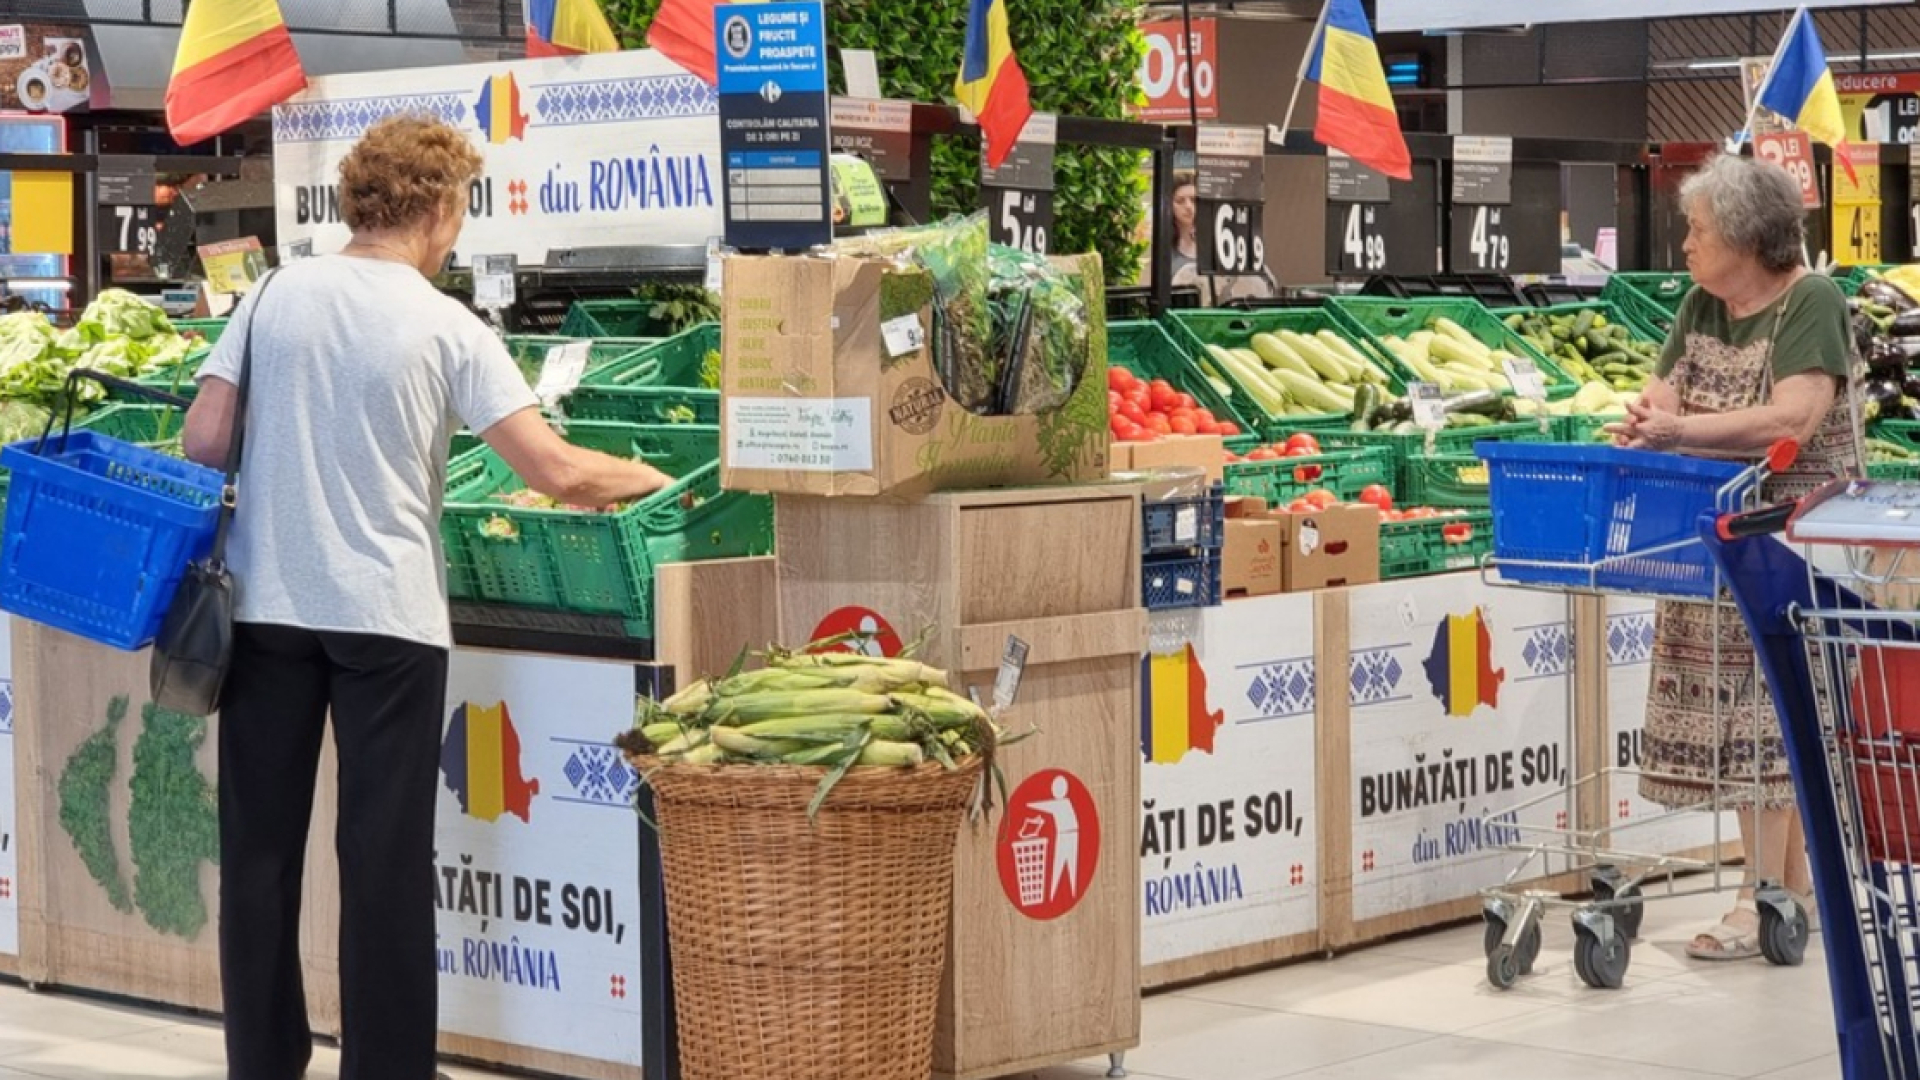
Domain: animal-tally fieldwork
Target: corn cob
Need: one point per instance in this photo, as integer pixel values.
(690, 701)
(941, 711)
(908, 670)
(779, 680)
(882, 753)
(738, 742)
(830, 727)
(662, 733)
(704, 754)
(684, 742)
(749, 708)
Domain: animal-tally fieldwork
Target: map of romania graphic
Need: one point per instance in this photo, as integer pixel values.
(481, 762)
(1460, 667)
(1175, 718)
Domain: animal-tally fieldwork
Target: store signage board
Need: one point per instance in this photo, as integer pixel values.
(1482, 170)
(1792, 151)
(1753, 72)
(1451, 753)
(1180, 80)
(1434, 15)
(1857, 208)
(1018, 195)
(125, 180)
(1231, 183)
(1229, 822)
(535, 865)
(1862, 185)
(1481, 241)
(1880, 107)
(879, 131)
(774, 124)
(47, 69)
(233, 266)
(613, 149)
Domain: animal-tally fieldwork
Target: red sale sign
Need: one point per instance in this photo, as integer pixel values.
(1792, 151)
(1180, 73)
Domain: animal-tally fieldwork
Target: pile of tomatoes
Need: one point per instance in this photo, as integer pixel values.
(1299, 444)
(1374, 495)
(1139, 410)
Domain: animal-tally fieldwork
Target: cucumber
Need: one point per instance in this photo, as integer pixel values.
(1280, 356)
(1366, 403)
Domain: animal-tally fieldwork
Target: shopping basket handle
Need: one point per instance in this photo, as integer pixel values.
(1782, 455)
(111, 382)
(1764, 522)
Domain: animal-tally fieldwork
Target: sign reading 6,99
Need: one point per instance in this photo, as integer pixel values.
(1231, 239)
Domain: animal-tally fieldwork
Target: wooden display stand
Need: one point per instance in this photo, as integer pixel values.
(1059, 569)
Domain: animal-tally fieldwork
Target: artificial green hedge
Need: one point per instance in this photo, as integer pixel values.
(1081, 58)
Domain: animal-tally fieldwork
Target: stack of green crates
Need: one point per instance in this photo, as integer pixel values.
(1373, 319)
(671, 381)
(1345, 472)
(1435, 545)
(612, 319)
(596, 563)
(1649, 299)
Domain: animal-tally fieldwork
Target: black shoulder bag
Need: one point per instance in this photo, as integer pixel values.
(195, 643)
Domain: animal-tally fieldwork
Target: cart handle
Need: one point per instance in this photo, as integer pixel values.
(1782, 455)
(1763, 522)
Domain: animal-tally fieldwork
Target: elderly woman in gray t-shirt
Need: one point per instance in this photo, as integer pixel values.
(358, 367)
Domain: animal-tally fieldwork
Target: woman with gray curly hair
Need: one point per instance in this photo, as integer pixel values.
(1759, 352)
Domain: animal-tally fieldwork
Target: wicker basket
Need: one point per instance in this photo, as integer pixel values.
(808, 951)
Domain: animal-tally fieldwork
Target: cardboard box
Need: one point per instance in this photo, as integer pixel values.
(1120, 457)
(1207, 452)
(1246, 506)
(1250, 557)
(829, 389)
(1336, 546)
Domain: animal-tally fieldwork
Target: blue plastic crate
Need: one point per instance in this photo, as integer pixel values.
(98, 533)
(1190, 524)
(1186, 582)
(1628, 503)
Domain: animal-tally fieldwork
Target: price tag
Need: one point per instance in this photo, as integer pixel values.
(560, 372)
(1013, 666)
(1356, 239)
(902, 335)
(1029, 165)
(1020, 219)
(493, 281)
(716, 269)
(1792, 151)
(130, 229)
(296, 251)
(1232, 238)
(1856, 234)
(1349, 181)
(1481, 244)
(1186, 525)
(1483, 170)
(1525, 377)
(1429, 407)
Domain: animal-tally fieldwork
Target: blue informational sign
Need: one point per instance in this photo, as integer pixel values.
(773, 124)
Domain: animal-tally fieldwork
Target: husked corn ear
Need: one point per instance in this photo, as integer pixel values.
(748, 708)
(735, 741)
(691, 700)
(888, 754)
(776, 680)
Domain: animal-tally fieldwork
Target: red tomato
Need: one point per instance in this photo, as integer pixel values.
(1119, 424)
(1183, 425)
(1298, 451)
(1229, 429)
(1144, 434)
(1119, 378)
(1377, 495)
(1262, 454)
(1204, 416)
(1133, 412)
(1321, 498)
(1159, 423)
(1165, 399)
(1302, 506)
(1302, 439)
(1206, 427)
(1184, 401)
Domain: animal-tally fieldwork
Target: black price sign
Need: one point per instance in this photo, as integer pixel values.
(130, 229)
(1357, 239)
(1481, 243)
(1020, 219)
(1232, 238)
(1349, 181)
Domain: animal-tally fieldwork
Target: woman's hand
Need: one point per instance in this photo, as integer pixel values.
(1648, 427)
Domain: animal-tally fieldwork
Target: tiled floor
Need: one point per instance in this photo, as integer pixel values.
(1416, 1009)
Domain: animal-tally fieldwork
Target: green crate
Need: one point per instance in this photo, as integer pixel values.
(176, 379)
(597, 563)
(1196, 329)
(1458, 440)
(1446, 481)
(1435, 545)
(681, 360)
(1343, 472)
(1149, 351)
(1585, 430)
(1856, 277)
(1894, 470)
(1651, 299)
(644, 405)
(612, 319)
(1372, 319)
(211, 329)
(1613, 313)
(530, 351)
(1902, 432)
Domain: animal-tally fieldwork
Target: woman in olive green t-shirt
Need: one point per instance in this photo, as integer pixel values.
(1759, 352)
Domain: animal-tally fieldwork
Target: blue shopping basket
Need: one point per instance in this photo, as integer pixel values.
(98, 533)
(1603, 517)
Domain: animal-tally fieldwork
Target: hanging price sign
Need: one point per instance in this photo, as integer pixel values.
(1481, 243)
(1356, 239)
(1018, 193)
(129, 229)
(1231, 185)
(1793, 152)
(1021, 219)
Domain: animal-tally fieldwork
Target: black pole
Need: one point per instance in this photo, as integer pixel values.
(659, 1024)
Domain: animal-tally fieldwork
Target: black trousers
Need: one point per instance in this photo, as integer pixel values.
(386, 697)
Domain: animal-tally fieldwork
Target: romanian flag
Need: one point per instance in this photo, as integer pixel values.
(1356, 113)
(1460, 667)
(991, 84)
(498, 110)
(236, 60)
(682, 31)
(568, 28)
(1174, 718)
(1799, 86)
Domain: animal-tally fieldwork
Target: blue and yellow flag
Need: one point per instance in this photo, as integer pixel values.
(990, 83)
(1799, 86)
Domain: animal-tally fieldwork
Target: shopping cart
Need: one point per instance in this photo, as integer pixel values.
(1634, 531)
(1837, 629)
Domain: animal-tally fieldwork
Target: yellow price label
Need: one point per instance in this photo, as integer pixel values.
(1856, 234)
(1863, 186)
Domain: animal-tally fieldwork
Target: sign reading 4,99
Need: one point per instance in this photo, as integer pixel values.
(1231, 239)
(1359, 239)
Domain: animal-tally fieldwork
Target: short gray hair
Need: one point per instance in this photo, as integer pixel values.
(1755, 207)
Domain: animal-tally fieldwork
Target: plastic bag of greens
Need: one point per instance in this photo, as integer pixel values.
(954, 255)
(1041, 332)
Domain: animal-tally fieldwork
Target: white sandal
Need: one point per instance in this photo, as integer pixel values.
(1729, 943)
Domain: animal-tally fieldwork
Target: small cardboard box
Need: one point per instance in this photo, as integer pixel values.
(829, 388)
(1250, 557)
(1336, 546)
(1207, 452)
(1246, 506)
(1120, 457)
